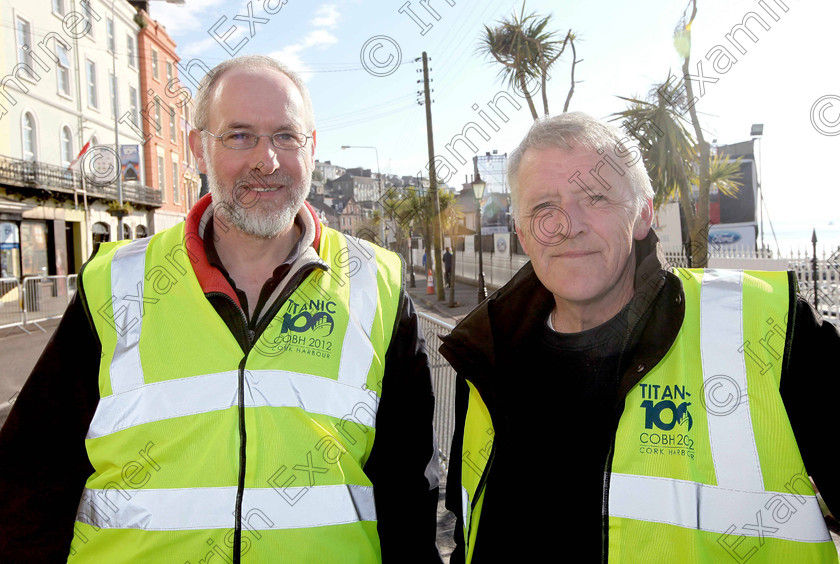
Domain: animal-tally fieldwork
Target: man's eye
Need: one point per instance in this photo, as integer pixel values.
(239, 136)
(283, 136)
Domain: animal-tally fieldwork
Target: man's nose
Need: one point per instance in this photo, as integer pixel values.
(577, 213)
(266, 158)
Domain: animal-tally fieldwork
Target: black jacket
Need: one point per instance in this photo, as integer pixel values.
(483, 349)
(45, 465)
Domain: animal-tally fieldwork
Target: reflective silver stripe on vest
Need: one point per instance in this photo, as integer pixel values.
(466, 511)
(739, 502)
(717, 509)
(214, 392)
(213, 508)
(357, 350)
(128, 269)
(731, 436)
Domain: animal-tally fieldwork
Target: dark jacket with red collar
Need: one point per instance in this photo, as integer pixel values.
(483, 349)
(44, 464)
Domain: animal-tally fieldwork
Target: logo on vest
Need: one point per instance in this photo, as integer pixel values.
(315, 316)
(305, 328)
(667, 421)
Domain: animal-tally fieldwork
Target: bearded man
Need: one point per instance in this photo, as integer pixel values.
(249, 385)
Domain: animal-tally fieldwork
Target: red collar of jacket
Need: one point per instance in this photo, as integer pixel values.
(209, 277)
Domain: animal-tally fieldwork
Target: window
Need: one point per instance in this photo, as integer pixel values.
(24, 45)
(30, 137)
(113, 87)
(132, 50)
(109, 31)
(134, 103)
(173, 131)
(154, 63)
(93, 101)
(87, 17)
(101, 232)
(161, 172)
(58, 7)
(62, 69)
(169, 72)
(126, 231)
(157, 115)
(175, 196)
(66, 146)
(140, 232)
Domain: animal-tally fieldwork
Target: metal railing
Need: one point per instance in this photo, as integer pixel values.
(43, 176)
(443, 378)
(34, 299)
(11, 303)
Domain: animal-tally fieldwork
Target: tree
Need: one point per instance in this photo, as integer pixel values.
(526, 50)
(675, 162)
(409, 206)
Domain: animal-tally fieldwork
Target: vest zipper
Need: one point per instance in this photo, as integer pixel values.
(605, 494)
(252, 335)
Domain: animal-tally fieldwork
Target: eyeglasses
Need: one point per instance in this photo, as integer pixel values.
(286, 140)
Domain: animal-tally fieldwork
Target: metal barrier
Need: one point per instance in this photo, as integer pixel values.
(443, 378)
(11, 303)
(45, 297)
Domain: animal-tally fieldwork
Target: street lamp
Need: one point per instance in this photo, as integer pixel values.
(756, 131)
(381, 203)
(411, 253)
(478, 187)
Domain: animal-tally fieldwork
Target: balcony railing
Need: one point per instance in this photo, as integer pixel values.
(43, 176)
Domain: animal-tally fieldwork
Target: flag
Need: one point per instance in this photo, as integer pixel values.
(72, 166)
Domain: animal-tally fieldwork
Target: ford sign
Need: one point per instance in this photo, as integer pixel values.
(724, 237)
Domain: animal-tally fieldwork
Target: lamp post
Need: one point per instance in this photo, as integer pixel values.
(411, 253)
(121, 211)
(756, 131)
(379, 174)
(478, 187)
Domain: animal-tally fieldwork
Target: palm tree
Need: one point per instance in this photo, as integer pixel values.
(526, 51)
(675, 162)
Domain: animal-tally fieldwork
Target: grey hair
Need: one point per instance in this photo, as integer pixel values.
(572, 129)
(208, 84)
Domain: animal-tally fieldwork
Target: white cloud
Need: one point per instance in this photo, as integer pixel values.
(326, 16)
(319, 38)
(290, 56)
(181, 18)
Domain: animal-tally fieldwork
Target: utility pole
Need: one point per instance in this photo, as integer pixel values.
(433, 193)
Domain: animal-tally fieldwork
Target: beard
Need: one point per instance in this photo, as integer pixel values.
(243, 209)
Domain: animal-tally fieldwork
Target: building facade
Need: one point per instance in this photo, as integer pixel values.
(165, 115)
(70, 81)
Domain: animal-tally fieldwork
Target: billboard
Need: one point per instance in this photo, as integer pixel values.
(130, 163)
(738, 237)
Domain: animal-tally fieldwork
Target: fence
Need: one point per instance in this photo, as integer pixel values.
(443, 376)
(34, 299)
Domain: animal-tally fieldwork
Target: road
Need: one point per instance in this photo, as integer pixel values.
(18, 354)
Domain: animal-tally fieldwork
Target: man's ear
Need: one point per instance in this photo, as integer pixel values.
(197, 149)
(522, 238)
(643, 222)
(312, 152)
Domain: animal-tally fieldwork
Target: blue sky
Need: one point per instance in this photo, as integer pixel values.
(358, 59)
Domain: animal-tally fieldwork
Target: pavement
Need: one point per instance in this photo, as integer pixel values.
(19, 352)
(452, 308)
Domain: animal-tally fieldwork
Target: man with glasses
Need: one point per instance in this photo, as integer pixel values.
(218, 385)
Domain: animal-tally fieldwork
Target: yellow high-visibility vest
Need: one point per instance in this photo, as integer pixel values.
(705, 466)
(165, 441)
